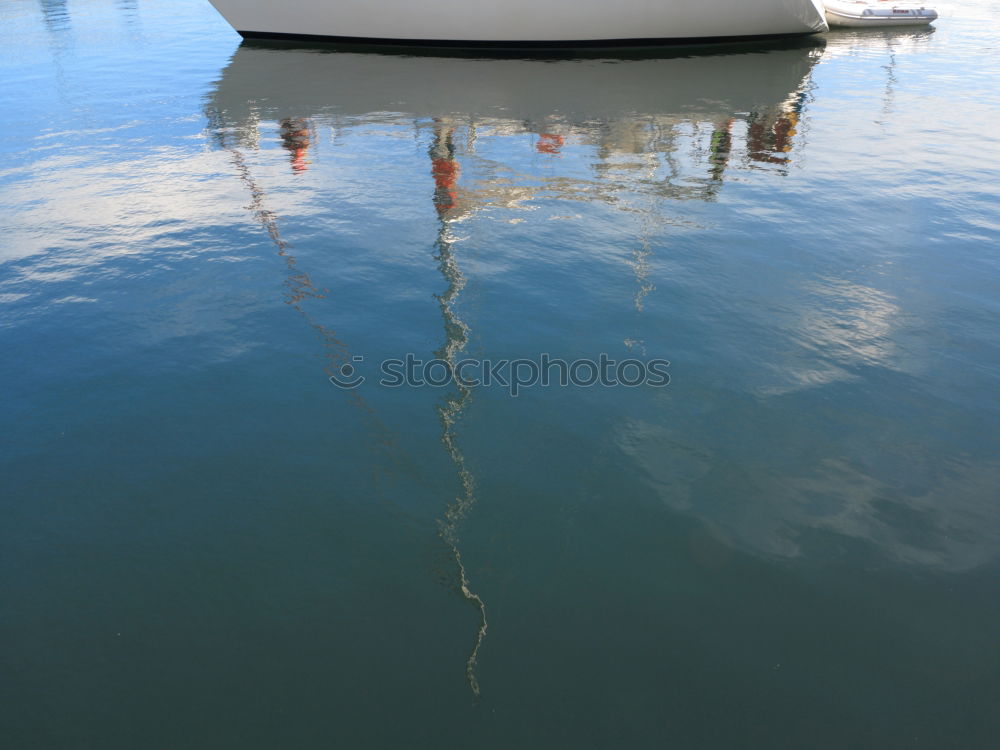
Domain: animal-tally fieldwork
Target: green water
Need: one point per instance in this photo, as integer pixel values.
(206, 544)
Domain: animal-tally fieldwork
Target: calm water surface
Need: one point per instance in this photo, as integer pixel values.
(206, 544)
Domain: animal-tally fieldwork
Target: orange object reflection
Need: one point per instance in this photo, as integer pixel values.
(296, 137)
(550, 143)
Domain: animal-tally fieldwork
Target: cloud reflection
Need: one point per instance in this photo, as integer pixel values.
(773, 509)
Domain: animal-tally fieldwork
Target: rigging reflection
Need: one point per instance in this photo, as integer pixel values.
(299, 285)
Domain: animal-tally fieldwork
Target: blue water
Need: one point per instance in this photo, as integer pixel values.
(205, 543)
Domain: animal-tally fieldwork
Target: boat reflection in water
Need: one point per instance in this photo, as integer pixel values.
(685, 118)
(669, 129)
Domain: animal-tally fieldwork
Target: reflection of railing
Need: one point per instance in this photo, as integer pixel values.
(666, 157)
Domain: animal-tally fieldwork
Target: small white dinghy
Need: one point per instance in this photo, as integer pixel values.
(876, 13)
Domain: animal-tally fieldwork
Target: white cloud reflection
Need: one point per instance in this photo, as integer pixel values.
(950, 521)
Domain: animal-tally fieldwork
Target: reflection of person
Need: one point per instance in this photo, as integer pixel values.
(721, 147)
(770, 135)
(444, 168)
(296, 138)
(769, 139)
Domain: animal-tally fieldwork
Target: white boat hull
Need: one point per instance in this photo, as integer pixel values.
(522, 22)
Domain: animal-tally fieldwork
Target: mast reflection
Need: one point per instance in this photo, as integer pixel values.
(299, 286)
(445, 170)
